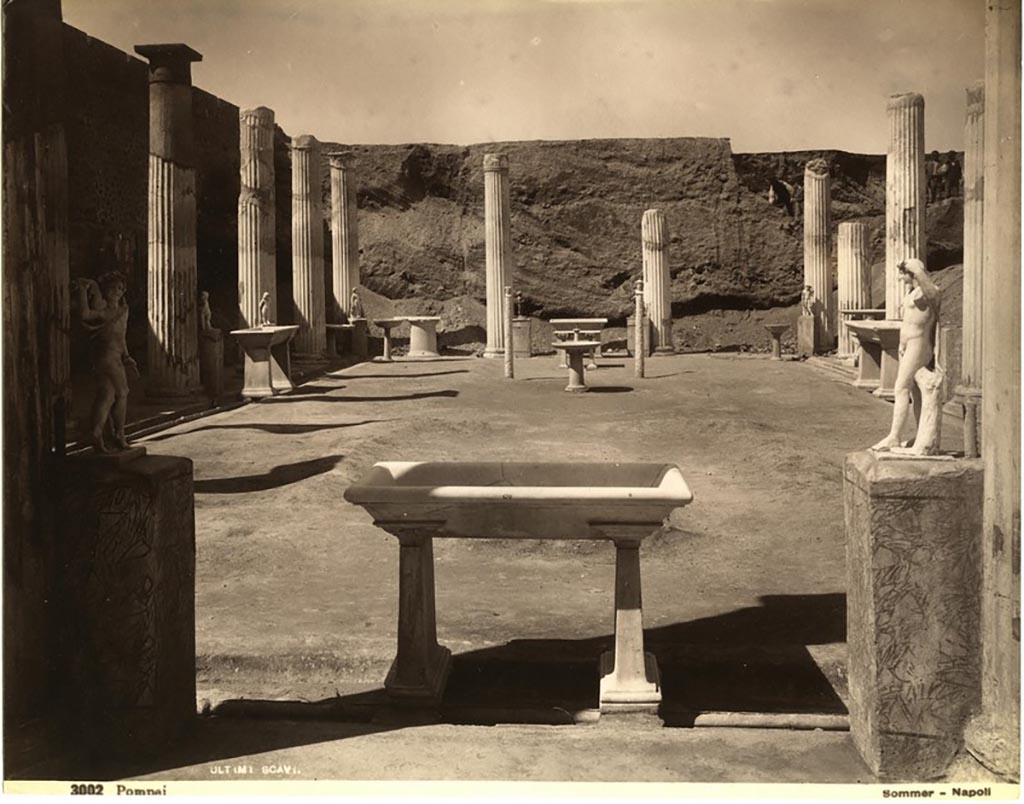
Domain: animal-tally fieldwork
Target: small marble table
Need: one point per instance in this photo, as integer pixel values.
(423, 335)
(574, 351)
(267, 360)
(879, 356)
(846, 336)
(623, 503)
(588, 327)
(387, 324)
(777, 331)
(334, 333)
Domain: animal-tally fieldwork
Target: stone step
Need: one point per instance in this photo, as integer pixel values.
(833, 365)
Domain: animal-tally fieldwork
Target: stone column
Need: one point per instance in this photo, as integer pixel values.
(308, 248)
(854, 277)
(905, 189)
(498, 246)
(657, 283)
(969, 390)
(344, 237)
(173, 347)
(256, 240)
(818, 249)
(993, 736)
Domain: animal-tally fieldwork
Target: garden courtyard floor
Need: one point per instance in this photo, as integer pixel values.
(743, 590)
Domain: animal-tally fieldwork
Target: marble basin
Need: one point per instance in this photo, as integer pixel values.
(522, 500)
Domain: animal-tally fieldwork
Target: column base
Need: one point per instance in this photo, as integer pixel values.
(491, 352)
(664, 351)
(631, 694)
(576, 389)
(430, 691)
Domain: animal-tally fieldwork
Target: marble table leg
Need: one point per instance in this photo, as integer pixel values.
(576, 384)
(420, 670)
(629, 676)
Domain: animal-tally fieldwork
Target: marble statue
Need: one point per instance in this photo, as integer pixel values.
(205, 316)
(104, 315)
(807, 301)
(355, 306)
(265, 310)
(919, 378)
(519, 304)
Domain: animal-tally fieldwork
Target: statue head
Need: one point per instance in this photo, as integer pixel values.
(908, 271)
(204, 296)
(112, 285)
(265, 296)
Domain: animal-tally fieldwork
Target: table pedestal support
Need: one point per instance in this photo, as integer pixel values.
(629, 676)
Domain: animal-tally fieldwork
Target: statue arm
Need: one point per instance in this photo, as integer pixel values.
(929, 289)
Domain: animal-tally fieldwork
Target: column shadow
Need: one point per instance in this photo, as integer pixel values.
(273, 429)
(278, 476)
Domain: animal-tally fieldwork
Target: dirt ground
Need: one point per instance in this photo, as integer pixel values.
(744, 599)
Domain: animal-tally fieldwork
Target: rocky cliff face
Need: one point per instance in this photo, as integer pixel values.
(576, 210)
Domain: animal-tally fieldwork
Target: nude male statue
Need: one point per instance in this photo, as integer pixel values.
(807, 301)
(917, 352)
(265, 310)
(104, 314)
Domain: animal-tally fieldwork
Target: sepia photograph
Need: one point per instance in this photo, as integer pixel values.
(533, 398)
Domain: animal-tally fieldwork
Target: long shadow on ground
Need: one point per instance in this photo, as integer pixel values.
(402, 375)
(274, 429)
(285, 398)
(753, 659)
(276, 477)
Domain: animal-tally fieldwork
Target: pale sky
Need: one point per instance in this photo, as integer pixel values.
(771, 75)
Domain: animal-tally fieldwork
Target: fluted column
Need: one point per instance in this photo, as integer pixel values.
(854, 276)
(256, 234)
(172, 344)
(993, 736)
(974, 250)
(818, 249)
(657, 283)
(344, 237)
(308, 248)
(498, 248)
(904, 195)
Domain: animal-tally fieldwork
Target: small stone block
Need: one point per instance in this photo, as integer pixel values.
(522, 345)
(913, 531)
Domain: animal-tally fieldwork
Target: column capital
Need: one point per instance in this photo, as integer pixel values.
(305, 142)
(260, 115)
(495, 162)
(817, 168)
(169, 63)
(342, 160)
(905, 100)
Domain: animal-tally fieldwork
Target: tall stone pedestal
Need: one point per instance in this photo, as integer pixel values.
(211, 364)
(913, 528)
(522, 334)
(806, 334)
(879, 359)
(360, 338)
(127, 595)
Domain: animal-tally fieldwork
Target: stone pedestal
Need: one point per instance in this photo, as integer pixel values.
(806, 335)
(423, 336)
(657, 283)
(127, 593)
(211, 364)
(386, 325)
(905, 195)
(360, 338)
(522, 337)
(629, 679)
(854, 279)
(498, 248)
(172, 365)
(308, 249)
(268, 366)
(257, 243)
(913, 596)
(818, 250)
(344, 237)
